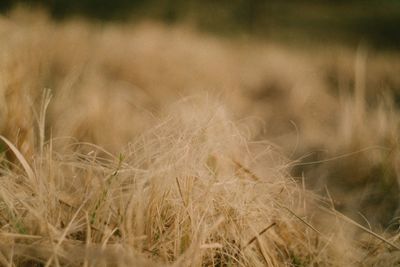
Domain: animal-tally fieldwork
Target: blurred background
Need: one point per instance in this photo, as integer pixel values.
(373, 21)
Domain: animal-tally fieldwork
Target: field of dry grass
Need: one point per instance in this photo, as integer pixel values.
(146, 145)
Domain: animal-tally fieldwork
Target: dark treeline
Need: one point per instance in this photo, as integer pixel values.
(374, 21)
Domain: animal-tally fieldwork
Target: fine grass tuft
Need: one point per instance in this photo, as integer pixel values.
(150, 149)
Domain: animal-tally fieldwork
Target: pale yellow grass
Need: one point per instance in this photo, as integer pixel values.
(146, 149)
(183, 194)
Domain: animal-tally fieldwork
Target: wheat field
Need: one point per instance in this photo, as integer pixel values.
(152, 145)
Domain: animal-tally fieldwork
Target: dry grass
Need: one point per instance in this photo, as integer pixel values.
(147, 149)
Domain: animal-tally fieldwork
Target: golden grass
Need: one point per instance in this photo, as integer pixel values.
(147, 148)
(176, 195)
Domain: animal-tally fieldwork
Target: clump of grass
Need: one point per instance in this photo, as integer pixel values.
(161, 202)
(114, 174)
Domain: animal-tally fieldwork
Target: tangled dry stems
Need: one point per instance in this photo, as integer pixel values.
(123, 177)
